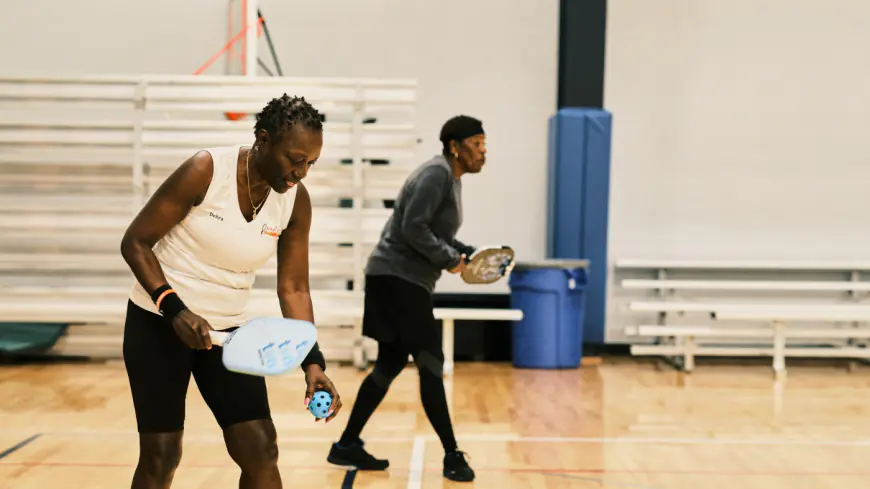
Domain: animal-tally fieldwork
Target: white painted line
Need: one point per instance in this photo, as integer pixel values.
(205, 437)
(415, 477)
(196, 437)
(662, 441)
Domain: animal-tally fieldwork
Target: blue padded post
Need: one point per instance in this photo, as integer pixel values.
(578, 201)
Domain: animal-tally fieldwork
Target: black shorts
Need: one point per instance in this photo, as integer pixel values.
(159, 366)
(401, 313)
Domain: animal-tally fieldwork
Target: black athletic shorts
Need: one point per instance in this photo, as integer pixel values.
(159, 366)
(400, 312)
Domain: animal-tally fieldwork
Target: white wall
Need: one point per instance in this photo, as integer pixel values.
(500, 67)
(54, 37)
(740, 130)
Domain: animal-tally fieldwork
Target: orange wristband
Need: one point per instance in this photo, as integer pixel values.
(163, 296)
(167, 301)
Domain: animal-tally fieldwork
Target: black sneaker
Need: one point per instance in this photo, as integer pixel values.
(456, 468)
(354, 455)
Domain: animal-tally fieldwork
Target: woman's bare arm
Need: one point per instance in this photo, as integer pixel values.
(169, 205)
(294, 293)
(183, 189)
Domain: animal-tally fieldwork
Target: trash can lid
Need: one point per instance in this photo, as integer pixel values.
(564, 263)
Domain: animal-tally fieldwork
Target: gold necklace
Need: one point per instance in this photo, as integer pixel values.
(248, 176)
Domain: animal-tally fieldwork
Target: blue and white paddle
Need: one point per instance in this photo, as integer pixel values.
(266, 345)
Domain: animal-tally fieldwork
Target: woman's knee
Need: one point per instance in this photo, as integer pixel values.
(160, 454)
(430, 362)
(253, 445)
(388, 366)
(384, 373)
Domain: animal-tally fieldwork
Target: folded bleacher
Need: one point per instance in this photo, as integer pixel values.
(683, 309)
(79, 156)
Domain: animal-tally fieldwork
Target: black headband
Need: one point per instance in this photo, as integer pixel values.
(464, 132)
(460, 127)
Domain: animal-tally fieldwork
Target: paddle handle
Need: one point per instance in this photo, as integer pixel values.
(217, 337)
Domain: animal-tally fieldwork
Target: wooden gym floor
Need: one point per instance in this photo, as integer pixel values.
(622, 424)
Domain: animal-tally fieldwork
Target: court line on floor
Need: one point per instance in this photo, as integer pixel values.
(349, 477)
(492, 438)
(415, 472)
(19, 446)
(213, 438)
(662, 440)
(603, 482)
(419, 470)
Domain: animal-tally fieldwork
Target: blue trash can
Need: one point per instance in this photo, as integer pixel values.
(551, 294)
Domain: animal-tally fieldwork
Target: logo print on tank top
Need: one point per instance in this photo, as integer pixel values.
(270, 230)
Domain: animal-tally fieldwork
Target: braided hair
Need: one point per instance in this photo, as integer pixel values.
(281, 114)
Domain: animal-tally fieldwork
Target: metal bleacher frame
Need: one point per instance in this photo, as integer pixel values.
(778, 309)
(80, 155)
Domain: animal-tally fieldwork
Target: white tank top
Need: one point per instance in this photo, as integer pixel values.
(211, 257)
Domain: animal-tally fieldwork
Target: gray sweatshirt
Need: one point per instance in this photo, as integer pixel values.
(418, 241)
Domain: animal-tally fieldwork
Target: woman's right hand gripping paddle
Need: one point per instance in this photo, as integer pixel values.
(192, 329)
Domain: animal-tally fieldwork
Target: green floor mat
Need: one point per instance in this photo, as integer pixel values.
(29, 337)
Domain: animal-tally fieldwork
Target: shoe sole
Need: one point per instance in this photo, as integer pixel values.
(344, 463)
(457, 479)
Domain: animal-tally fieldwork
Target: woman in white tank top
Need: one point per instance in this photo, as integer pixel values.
(194, 249)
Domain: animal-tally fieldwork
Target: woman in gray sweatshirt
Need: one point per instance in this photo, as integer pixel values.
(417, 244)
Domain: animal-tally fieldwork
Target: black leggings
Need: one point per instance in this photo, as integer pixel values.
(391, 360)
(159, 367)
